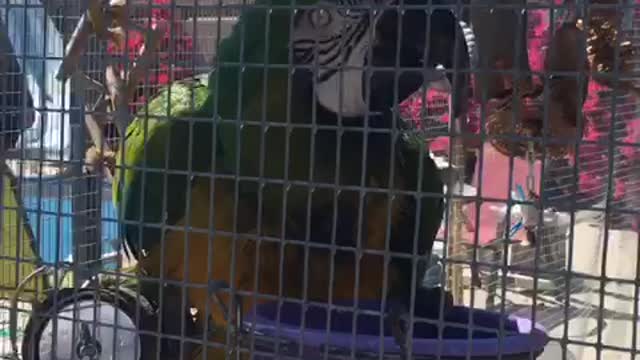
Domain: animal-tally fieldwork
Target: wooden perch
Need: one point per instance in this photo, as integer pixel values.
(75, 49)
(95, 119)
(100, 155)
(96, 14)
(117, 90)
(118, 35)
(118, 3)
(84, 82)
(152, 42)
(109, 23)
(118, 9)
(96, 20)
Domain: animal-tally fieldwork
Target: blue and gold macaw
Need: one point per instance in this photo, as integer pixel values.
(247, 176)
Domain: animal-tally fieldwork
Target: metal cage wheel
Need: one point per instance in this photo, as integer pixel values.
(103, 338)
(92, 340)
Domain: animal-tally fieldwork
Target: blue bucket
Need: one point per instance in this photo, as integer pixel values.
(521, 338)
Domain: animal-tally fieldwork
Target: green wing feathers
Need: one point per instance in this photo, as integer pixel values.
(162, 136)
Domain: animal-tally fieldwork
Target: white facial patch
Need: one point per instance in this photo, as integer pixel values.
(342, 93)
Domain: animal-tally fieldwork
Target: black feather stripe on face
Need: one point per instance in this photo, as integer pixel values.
(354, 38)
(335, 50)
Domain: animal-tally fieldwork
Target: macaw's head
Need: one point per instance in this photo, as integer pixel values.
(327, 40)
(419, 39)
(337, 39)
(332, 38)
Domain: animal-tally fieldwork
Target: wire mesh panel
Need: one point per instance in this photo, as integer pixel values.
(363, 179)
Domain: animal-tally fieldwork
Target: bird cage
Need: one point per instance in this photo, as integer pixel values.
(231, 255)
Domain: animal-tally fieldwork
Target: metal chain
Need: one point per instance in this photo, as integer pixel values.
(531, 160)
(531, 217)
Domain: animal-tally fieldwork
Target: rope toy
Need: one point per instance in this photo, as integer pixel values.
(509, 132)
(602, 40)
(566, 90)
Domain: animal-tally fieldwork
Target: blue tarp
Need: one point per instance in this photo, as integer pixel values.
(52, 225)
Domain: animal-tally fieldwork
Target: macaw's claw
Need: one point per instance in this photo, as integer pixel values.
(399, 323)
(428, 305)
(96, 161)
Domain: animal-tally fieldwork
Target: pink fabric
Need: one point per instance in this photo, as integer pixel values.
(597, 111)
(161, 73)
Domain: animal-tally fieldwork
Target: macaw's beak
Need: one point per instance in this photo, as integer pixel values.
(402, 39)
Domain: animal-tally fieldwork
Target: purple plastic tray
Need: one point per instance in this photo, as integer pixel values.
(520, 341)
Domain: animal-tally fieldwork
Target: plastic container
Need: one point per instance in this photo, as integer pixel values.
(521, 339)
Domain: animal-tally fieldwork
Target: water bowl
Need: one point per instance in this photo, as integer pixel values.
(282, 330)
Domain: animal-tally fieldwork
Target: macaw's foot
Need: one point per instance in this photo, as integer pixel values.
(399, 322)
(427, 306)
(96, 161)
(429, 302)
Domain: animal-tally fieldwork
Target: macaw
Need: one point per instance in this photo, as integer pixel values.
(224, 168)
(247, 87)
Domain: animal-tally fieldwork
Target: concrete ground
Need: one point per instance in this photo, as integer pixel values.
(619, 326)
(617, 334)
(583, 331)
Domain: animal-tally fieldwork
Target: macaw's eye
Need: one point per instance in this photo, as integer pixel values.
(320, 18)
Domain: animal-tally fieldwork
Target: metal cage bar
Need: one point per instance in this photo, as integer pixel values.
(268, 191)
